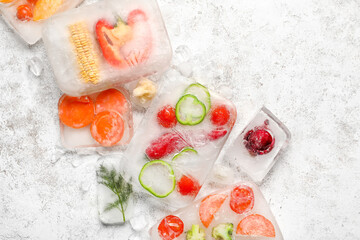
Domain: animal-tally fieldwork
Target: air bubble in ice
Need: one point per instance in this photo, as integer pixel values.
(182, 54)
(138, 223)
(35, 66)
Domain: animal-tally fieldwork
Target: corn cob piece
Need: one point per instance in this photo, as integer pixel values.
(85, 54)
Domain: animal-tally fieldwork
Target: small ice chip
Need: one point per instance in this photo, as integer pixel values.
(185, 69)
(35, 66)
(139, 223)
(182, 54)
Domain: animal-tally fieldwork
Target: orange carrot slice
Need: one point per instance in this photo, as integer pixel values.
(76, 112)
(111, 99)
(107, 128)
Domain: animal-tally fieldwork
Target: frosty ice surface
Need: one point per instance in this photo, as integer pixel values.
(101, 119)
(178, 141)
(236, 212)
(255, 150)
(110, 42)
(115, 200)
(28, 20)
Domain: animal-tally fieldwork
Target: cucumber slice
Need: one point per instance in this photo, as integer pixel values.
(158, 178)
(201, 92)
(183, 152)
(189, 110)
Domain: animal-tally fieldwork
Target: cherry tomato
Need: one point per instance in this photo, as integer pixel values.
(242, 199)
(188, 186)
(166, 117)
(76, 112)
(24, 12)
(170, 227)
(220, 115)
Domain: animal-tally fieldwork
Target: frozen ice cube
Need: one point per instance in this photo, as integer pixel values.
(35, 66)
(257, 147)
(79, 40)
(240, 204)
(158, 139)
(115, 195)
(30, 31)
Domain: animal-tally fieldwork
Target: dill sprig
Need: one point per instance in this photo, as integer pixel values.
(117, 184)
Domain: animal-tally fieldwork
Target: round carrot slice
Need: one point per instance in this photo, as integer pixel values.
(107, 128)
(256, 225)
(76, 112)
(209, 206)
(111, 99)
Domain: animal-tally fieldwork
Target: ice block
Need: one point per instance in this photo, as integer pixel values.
(256, 149)
(178, 141)
(236, 212)
(114, 194)
(109, 42)
(101, 119)
(27, 17)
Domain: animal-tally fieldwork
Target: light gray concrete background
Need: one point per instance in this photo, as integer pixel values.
(300, 58)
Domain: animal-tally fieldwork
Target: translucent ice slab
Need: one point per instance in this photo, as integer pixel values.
(255, 150)
(31, 30)
(171, 160)
(237, 212)
(115, 198)
(114, 100)
(110, 42)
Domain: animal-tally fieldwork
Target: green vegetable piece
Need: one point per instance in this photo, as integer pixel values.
(117, 184)
(223, 231)
(184, 151)
(151, 173)
(201, 92)
(189, 110)
(196, 233)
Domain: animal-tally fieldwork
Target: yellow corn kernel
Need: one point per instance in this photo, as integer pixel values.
(85, 54)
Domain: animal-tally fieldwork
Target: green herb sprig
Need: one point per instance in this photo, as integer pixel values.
(117, 184)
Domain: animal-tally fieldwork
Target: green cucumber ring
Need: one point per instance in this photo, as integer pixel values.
(150, 189)
(196, 89)
(186, 149)
(182, 108)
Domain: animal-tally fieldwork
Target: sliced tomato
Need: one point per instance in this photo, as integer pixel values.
(209, 206)
(242, 199)
(107, 128)
(187, 185)
(256, 225)
(76, 112)
(170, 227)
(111, 99)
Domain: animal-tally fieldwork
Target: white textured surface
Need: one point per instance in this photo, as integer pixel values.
(300, 58)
